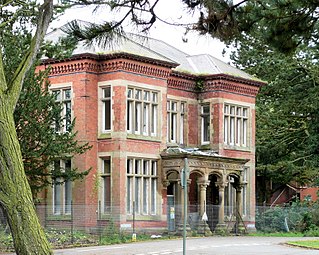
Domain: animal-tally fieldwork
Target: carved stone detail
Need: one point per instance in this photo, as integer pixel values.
(107, 66)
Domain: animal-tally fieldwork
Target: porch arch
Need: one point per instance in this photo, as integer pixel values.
(207, 180)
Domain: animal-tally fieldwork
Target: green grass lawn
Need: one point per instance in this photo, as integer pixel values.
(278, 234)
(313, 244)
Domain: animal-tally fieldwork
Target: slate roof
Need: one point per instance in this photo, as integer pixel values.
(203, 64)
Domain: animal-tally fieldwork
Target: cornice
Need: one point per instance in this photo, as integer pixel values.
(218, 82)
(231, 86)
(118, 55)
(101, 65)
(181, 84)
(231, 78)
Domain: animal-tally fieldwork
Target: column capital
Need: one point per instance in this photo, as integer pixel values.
(203, 184)
(239, 186)
(221, 185)
(165, 183)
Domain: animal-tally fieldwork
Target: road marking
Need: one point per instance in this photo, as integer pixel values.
(98, 249)
(192, 248)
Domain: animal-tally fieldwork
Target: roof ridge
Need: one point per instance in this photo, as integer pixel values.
(211, 59)
(159, 40)
(149, 49)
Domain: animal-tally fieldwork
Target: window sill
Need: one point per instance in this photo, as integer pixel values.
(142, 137)
(237, 148)
(171, 144)
(105, 216)
(205, 146)
(105, 135)
(59, 217)
(143, 217)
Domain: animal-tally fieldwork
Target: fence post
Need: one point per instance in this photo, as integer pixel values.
(99, 222)
(72, 224)
(134, 234)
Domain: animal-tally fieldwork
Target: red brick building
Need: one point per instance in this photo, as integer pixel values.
(144, 106)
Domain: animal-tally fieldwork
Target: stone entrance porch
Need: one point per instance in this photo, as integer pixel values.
(209, 175)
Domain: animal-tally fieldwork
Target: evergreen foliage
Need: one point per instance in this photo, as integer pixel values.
(287, 145)
(41, 145)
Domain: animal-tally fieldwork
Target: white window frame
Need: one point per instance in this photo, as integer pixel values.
(104, 100)
(141, 186)
(236, 119)
(64, 95)
(106, 174)
(176, 121)
(204, 115)
(65, 195)
(142, 111)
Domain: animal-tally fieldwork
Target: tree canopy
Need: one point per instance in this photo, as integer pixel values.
(36, 116)
(285, 24)
(287, 145)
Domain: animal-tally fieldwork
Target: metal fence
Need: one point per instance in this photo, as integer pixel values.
(296, 217)
(92, 224)
(89, 224)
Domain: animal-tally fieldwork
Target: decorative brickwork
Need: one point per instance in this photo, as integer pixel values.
(231, 85)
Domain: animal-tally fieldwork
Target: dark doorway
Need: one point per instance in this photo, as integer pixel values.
(212, 202)
(193, 195)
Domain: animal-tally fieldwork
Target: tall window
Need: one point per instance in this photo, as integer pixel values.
(175, 121)
(235, 125)
(142, 112)
(106, 186)
(205, 124)
(141, 186)
(106, 109)
(62, 189)
(64, 97)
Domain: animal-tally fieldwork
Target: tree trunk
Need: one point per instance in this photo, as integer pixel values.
(15, 192)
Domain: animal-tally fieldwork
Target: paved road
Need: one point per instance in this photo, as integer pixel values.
(199, 246)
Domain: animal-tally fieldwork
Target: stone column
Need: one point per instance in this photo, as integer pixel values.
(181, 208)
(203, 227)
(164, 195)
(239, 209)
(203, 187)
(221, 226)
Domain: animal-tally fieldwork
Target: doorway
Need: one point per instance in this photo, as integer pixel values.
(212, 202)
